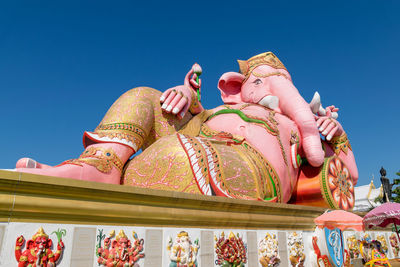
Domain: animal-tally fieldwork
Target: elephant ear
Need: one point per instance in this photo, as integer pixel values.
(114, 244)
(230, 85)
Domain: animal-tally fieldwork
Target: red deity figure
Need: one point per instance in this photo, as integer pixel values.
(122, 252)
(231, 251)
(38, 251)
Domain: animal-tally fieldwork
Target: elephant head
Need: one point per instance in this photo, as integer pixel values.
(264, 80)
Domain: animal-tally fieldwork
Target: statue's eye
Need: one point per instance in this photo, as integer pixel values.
(257, 82)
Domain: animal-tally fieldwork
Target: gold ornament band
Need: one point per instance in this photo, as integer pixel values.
(103, 162)
(132, 133)
(128, 127)
(260, 75)
(340, 143)
(194, 106)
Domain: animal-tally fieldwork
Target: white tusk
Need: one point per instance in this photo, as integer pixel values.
(315, 103)
(269, 101)
(321, 111)
(316, 107)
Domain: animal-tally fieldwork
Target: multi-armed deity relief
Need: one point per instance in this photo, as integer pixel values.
(268, 251)
(353, 246)
(297, 256)
(182, 251)
(38, 250)
(230, 251)
(119, 252)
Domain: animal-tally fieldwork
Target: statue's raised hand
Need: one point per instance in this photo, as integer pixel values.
(179, 99)
(20, 241)
(328, 126)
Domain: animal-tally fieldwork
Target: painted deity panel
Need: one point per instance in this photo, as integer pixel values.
(181, 247)
(119, 246)
(351, 244)
(46, 244)
(381, 237)
(295, 245)
(268, 249)
(230, 248)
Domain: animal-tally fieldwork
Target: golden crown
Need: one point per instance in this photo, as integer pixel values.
(267, 58)
(39, 233)
(183, 233)
(232, 235)
(121, 234)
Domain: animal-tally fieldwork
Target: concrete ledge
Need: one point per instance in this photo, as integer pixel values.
(35, 198)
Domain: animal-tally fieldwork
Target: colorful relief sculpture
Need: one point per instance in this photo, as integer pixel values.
(394, 243)
(384, 245)
(120, 252)
(182, 252)
(353, 246)
(261, 144)
(296, 249)
(38, 250)
(373, 254)
(366, 237)
(231, 251)
(268, 251)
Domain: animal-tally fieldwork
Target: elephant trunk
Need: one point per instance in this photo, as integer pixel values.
(296, 108)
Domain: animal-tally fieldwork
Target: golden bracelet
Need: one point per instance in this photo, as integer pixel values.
(340, 143)
(195, 103)
(194, 106)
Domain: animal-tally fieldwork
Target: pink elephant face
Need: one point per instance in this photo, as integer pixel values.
(273, 88)
(260, 87)
(259, 84)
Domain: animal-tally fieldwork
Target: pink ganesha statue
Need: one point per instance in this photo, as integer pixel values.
(265, 143)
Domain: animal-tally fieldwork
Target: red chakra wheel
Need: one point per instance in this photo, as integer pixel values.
(341, 185)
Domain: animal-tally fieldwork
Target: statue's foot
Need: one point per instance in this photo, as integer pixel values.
(80, 172)
(101, 162)
(30, 163)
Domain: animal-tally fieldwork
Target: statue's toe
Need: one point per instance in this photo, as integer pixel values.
(30, 163)
(26, 163)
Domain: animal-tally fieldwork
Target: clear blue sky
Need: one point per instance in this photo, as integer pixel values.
(63, 64)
